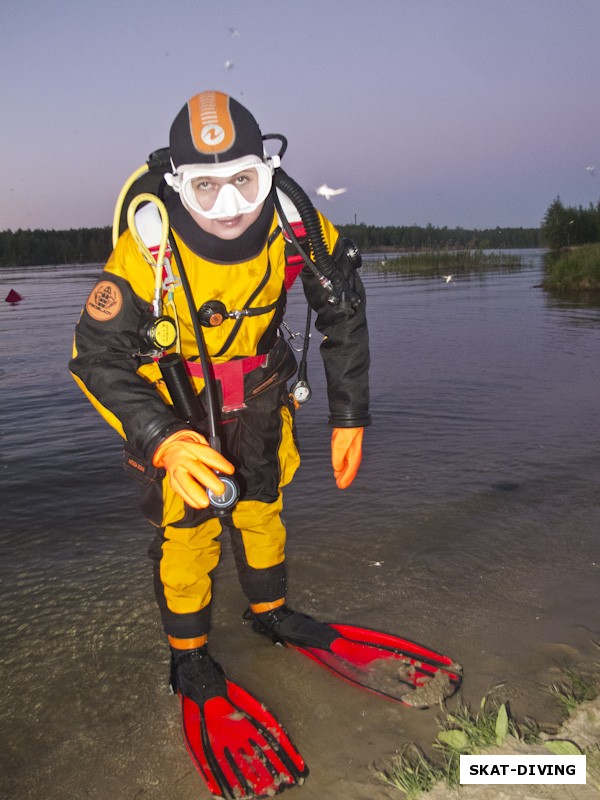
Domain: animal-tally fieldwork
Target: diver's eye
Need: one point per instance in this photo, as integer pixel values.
(243, 178)
(203, 185)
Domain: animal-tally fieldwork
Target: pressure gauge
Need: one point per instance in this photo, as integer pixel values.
(301, 392)
(229, 497)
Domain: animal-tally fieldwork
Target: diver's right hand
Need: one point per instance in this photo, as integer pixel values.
(189, 462)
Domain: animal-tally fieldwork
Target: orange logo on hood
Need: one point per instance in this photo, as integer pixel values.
(211, 124)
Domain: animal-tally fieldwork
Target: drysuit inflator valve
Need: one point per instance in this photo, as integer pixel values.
(214, 313)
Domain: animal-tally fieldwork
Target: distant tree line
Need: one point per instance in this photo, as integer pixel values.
(413, 237)
(567, 226)
(38, 248)
(93, 245)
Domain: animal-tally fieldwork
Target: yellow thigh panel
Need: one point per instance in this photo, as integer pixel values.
(263, 533)
(188, 557)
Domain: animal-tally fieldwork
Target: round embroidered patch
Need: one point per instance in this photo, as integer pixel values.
(105, 301)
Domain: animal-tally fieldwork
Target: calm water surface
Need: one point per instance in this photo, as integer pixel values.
(473, 527)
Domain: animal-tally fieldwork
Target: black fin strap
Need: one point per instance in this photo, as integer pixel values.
(195, 675)
(285, 626)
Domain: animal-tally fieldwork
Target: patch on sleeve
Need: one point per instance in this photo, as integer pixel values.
(104, 302)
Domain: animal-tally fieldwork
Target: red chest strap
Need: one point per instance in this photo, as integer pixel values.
(231, 376)
(293, 260)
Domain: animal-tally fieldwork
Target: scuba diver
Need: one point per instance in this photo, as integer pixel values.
(180, 349)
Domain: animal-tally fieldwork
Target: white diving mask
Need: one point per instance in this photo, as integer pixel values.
(230, 201)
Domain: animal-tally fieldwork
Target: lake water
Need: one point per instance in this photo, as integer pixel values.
(472, 527)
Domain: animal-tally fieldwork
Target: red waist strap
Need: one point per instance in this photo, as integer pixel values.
(231, 374)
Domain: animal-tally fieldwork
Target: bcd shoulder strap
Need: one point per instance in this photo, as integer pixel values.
(293, 260)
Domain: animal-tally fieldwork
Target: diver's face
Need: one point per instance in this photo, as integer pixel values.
(231, 225)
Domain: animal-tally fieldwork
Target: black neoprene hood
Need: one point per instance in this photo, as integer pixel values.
(213, 128)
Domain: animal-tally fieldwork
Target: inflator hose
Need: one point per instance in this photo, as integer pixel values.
(314, 231)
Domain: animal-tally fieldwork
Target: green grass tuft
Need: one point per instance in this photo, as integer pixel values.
(441, 264)
(574, 689)
(466, 732)
(411, 772)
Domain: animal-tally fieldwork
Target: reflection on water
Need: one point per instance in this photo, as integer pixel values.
(472, 525)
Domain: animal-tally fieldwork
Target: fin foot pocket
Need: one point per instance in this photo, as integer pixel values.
(237, 745)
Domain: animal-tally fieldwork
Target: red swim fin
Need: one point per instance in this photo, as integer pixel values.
(380, 662)
(237, 745)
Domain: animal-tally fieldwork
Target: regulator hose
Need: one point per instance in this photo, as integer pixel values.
(209, 382)
(341, 291)
(184, 400)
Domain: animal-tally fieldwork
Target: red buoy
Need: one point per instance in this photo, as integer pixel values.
(13, 297)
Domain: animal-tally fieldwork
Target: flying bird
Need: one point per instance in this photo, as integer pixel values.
(234, 31)
(228, 64)
(327, 192)
(590, 170)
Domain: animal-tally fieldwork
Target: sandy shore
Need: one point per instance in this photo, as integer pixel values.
(85, 712)
(582, 728)
(97, 723)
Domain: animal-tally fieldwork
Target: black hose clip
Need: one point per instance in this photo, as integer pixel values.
(324, 267)
(352, 253)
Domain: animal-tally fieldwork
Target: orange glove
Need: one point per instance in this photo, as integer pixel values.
(346, 454)
(189, 462)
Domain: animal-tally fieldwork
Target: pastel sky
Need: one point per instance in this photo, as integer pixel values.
(471, 113)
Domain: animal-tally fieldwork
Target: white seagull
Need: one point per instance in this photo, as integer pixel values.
(447, 278)
(327, 192)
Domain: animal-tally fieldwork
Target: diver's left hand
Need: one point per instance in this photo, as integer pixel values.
(346, 454)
